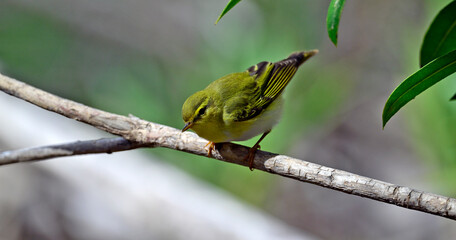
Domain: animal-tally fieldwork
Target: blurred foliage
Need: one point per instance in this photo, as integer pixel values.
(32, 46)
(431, 120)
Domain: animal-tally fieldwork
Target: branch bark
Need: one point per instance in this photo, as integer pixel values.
(104, 145)
(141, 133)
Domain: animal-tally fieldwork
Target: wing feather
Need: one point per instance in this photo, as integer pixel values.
(272, 79)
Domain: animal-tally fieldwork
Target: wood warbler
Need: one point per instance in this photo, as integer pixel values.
(242, 105)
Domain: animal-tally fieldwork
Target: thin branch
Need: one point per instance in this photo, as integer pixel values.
(152, 134)
(104, 145)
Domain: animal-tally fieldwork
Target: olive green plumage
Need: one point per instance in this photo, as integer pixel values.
(242, 105)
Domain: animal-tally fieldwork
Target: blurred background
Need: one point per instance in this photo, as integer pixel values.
(145, 58)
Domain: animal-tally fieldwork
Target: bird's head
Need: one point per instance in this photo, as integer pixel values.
(194, 109)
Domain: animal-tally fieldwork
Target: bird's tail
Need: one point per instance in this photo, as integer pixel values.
(295, 59)
(298, 58)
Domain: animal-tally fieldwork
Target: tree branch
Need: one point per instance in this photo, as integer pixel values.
(145, 133)
(104, 145)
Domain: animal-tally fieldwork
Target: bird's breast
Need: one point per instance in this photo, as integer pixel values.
(265, 121)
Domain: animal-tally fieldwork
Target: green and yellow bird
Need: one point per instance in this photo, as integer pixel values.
(242, 105)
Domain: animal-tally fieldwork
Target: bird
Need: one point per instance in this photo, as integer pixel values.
(242, 105)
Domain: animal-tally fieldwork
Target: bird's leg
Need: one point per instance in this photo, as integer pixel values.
(251, 156)
(210, 148)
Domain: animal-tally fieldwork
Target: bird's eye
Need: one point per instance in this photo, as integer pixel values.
(202, 111)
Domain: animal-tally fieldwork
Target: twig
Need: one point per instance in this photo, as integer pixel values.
(151, 134)
(104, 145)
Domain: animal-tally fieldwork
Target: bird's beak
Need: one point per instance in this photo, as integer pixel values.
(187, 126)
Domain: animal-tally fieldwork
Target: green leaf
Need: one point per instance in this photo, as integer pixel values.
(441, 35)
(453, 98)
(333, 18)
(228, 7)
(421, 80)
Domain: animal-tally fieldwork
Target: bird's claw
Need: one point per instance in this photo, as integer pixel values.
(210, 146)
(251, 156)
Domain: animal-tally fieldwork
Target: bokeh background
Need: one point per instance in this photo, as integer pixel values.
(145, 58)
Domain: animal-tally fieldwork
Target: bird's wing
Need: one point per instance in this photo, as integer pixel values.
(272, 78)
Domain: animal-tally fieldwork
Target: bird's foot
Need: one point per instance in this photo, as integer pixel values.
(210, 146)
(251, 156)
